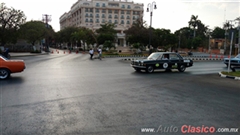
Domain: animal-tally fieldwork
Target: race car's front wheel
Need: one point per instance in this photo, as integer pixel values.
(4, 73)
(149, 69)
(181, 68)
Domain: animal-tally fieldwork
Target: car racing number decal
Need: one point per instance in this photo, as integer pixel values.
(165, 65)
(175, 65)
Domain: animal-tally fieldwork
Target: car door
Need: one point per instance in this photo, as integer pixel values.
(174, 60)
(163, 61)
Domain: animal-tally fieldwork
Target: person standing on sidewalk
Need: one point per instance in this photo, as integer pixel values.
(91, 53)
(6, 53)
(100, 53)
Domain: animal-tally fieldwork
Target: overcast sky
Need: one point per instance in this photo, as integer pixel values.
(170, 14)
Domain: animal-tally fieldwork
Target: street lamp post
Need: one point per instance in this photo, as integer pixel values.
(225, 41)
(150, 8)
(179, 40)
(209, 41)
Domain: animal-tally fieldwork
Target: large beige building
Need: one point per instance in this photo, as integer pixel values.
(92, 13)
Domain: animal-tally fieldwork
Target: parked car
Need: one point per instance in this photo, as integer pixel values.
(8, 67)
(162, 60)
(233, 61)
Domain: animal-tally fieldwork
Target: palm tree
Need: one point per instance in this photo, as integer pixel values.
(194, 22)
(227, 25)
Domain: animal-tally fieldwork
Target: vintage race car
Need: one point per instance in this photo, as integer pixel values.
(162, 60)
(233, 61)
(8, 67)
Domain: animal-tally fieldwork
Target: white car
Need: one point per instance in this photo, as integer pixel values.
(233, 61)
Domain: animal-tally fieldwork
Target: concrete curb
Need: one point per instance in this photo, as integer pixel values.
(194, 59)
(226, 76)
(25, 55)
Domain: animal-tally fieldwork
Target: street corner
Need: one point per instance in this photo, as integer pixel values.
(227, 76)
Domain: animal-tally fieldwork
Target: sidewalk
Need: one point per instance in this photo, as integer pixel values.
(23, 54)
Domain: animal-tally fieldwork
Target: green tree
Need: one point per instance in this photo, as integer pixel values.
(106, 33)
(138, 33)
(10, 21)
(199, 30)
(218, 33)
(163, 38)
(85, 35)
(193, 23)
(33, 31)
(184, 36)
(65, 35)
(109, 44)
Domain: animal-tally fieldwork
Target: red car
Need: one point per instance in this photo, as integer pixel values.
(8, 67)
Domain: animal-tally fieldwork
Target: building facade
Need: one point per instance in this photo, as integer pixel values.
(92, 13)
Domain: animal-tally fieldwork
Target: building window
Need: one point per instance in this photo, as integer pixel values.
(122, 17)
(103, 15)
(122, 12)
(128, 17)
(97, 5)
(137, 7)
(91, 15)
(134, 18)
(116, 17)
(97, 15)
(91, 20)
(116, 11)
(116, 22)
(122, 22)
(109, 11)
(110, 16)
(86, 9)
(123, 6)
(91, 10)
(110, 21)
(86, 15)
(129, 7)
(113, 5)
(103, 5)
(86, 20)
(128, 22)
(103, 21)
(97, 10)
(97, 21)
(86, 4)
(103, 11)
(128, 12)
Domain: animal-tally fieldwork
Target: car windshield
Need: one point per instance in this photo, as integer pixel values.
(4, 57)
(238, 56)
(153, 56)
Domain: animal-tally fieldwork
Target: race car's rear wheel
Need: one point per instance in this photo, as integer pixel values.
(4, 73)
(149, 69)
(181, 68)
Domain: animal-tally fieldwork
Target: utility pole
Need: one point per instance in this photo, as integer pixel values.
(46, 18)
(225, 43)
(238, 35)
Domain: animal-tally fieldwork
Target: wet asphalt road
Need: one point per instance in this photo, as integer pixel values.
(70, 94)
